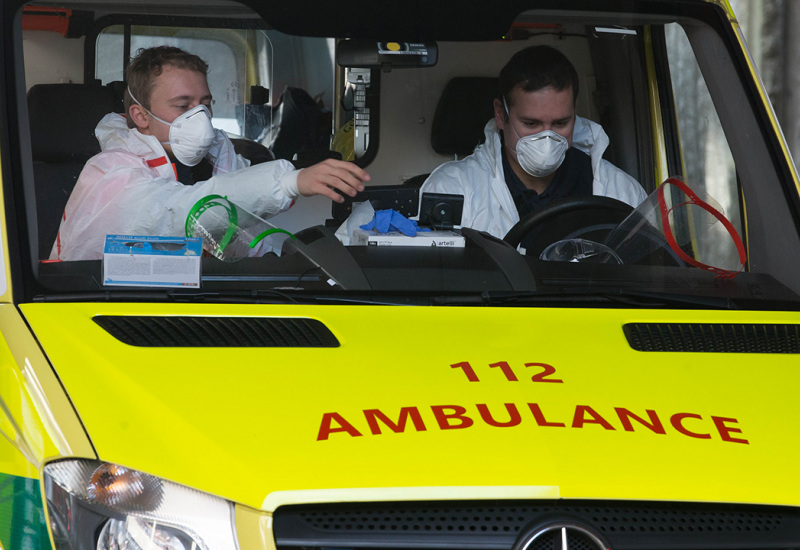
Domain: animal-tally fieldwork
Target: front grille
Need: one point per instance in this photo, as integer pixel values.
(265, 332)
(552, 541)
(499, 525)
(714, 337)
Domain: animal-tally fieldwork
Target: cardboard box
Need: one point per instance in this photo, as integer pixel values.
(133, 260)
(445, 239)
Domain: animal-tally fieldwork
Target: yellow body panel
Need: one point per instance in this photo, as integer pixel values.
(36, 418)
(546, 407)
(416, 403)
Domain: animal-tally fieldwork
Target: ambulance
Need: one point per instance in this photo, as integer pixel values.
(603, 376)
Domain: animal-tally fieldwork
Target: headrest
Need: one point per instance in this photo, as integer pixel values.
(63, 118)
(299, 124)
(464, 108)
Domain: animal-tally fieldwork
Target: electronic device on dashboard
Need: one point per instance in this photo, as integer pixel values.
(440, 210)
(404, 199)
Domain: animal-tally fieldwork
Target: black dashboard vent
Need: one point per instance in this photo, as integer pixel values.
(217, 332)
(714, 337)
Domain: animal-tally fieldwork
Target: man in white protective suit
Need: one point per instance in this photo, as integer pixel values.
(142, 181)
(536, 151)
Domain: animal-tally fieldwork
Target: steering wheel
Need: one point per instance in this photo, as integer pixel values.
(590, 217)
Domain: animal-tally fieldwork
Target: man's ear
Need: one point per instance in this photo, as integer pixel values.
(139, 117)
(499, 114)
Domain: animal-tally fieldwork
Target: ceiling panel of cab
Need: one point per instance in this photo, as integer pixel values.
(156, 7)
(452, 20)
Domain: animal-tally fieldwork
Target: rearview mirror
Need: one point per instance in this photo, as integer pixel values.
(386, 55)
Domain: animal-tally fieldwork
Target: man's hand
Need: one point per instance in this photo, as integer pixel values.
(322, 178)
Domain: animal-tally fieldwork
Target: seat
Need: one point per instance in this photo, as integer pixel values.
(62, 122)
(299, 126)
(464, 108)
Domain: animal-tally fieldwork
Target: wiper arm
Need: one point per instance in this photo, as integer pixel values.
(182, 296)
(262, 296)
(632, 298)
(108, 296)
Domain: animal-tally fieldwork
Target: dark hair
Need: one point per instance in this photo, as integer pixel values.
(148, 64)
(537, 67)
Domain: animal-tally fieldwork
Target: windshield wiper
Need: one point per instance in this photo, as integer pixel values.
(181, 296)
(261, 296)
(583, 297)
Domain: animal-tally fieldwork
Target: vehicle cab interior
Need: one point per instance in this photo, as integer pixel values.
(400, 94)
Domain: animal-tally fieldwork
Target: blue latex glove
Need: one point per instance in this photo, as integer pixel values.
(391, 220)
(404, 225)
(383, 220)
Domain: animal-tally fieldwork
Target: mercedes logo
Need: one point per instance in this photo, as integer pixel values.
(560, 535)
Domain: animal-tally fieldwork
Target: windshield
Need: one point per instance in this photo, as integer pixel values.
(580, 158)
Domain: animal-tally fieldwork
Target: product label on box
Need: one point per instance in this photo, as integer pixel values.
(445, 239)
(133, 260)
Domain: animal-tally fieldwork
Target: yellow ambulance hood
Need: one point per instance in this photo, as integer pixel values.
(473, 402)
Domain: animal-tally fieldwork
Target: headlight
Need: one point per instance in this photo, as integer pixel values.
(94, 505)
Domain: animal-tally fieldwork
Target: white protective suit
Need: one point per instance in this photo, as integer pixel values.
(131, 188)
(488, 205)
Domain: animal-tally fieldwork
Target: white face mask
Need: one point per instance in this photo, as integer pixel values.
(190, 135)
(540, 154)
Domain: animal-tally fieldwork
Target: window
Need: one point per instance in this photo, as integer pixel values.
(237, 60)
(295, 95)
(708, 165)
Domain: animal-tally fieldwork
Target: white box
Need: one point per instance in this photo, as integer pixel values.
(134, 260)
(444, 239)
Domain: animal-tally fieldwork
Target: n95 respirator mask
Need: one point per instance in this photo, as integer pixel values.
(190, 135)
(539, 154)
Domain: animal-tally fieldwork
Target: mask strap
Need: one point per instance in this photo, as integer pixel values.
(508, 116)
(508, 113)
(146, 110)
